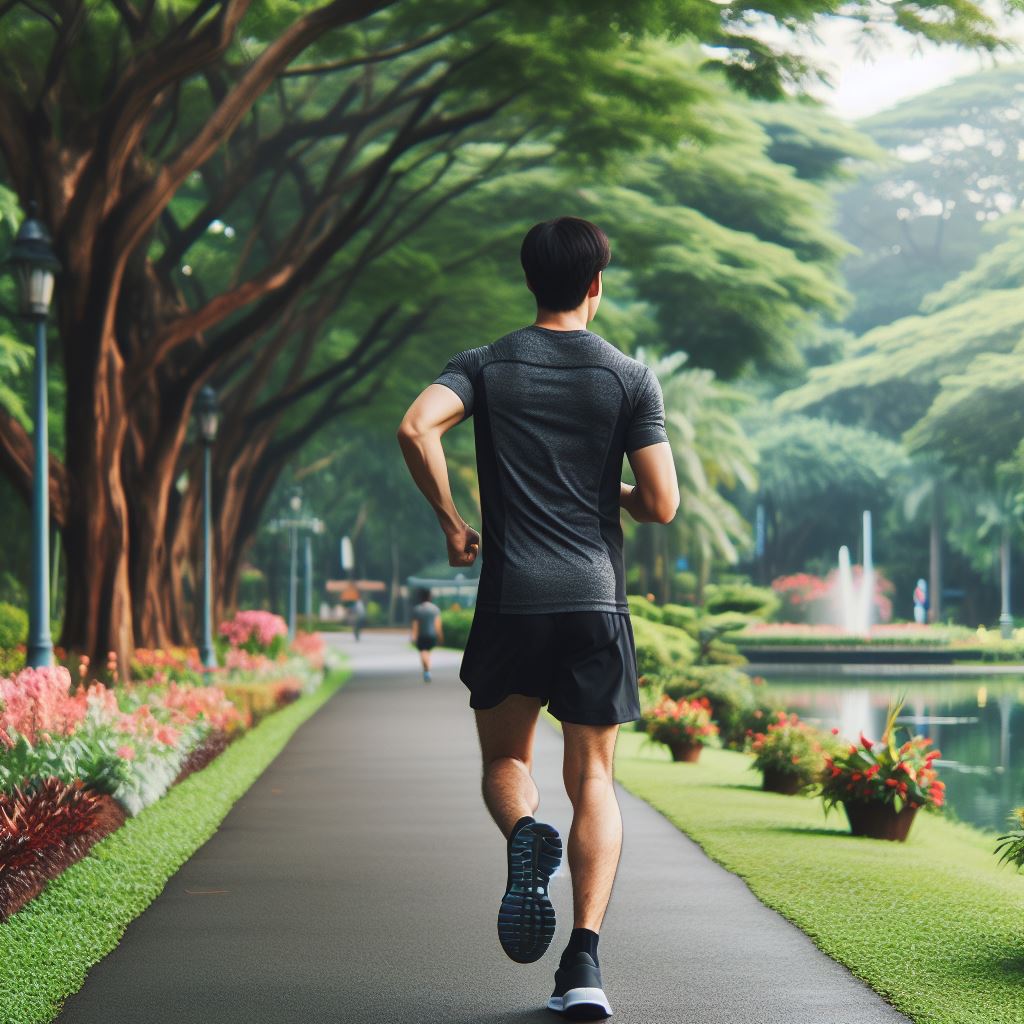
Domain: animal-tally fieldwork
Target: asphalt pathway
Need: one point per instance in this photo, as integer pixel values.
(358, 880)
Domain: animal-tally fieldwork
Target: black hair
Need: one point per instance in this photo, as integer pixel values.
(424, 594)
(561, 258)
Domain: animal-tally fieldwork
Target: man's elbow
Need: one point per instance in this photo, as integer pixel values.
(665, 511)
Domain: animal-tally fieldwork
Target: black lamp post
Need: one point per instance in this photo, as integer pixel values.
(207, 413)
(35, 267)
(295, 504)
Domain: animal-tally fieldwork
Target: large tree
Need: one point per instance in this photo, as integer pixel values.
(328, 133)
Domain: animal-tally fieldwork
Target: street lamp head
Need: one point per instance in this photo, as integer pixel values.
(35, 265)
(208, 413)
(295, 501)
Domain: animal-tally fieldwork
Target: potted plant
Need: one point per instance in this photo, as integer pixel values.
(882, 789)
(684, 726)
(789, 752)
(1012, 843)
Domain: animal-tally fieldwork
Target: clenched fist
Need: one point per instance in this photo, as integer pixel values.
(463, 545)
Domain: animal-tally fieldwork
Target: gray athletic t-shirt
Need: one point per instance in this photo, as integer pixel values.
(554, 413)
(426, 613)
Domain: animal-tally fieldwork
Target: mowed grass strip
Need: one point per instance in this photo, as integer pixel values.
(48, 946)
(933, 924)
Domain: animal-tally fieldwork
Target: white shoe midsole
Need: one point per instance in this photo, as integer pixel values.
(580, 997)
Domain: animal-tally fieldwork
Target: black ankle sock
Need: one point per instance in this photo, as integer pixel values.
(582, 940)
(526, 819)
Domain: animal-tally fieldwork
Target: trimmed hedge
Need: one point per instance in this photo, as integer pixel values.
(13, 625)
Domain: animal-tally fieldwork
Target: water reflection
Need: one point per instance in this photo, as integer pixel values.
(977, 723)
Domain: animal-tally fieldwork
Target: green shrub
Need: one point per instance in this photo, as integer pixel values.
(375, 615)
(456, 622)
(12, 660)
(13, 625)
(660, 648)
(730, 691)
(682, 616)
(761, 602)
(641, 608)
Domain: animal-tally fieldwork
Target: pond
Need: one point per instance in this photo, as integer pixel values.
(976, 722)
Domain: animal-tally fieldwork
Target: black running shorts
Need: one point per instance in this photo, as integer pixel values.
(583, 663)
(426, 643)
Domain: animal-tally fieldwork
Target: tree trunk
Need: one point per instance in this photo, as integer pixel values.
(98, 617)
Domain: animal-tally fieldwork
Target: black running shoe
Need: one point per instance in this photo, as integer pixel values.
(526, 919)
(579, 994)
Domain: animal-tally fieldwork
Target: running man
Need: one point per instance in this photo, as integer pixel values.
(555, 408)
(427, 631)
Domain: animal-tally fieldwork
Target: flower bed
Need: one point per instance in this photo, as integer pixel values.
(79, 757)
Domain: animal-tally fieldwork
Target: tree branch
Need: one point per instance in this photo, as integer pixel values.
(395, 51)
(17, 459)
(146, 207)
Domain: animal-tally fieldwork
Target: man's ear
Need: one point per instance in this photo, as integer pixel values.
(595, 286)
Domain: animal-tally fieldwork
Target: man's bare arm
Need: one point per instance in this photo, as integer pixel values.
(436, 410)
(655, 496)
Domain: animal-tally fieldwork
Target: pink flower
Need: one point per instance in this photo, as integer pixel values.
(127, 751)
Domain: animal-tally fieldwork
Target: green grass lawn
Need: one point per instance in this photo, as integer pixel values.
(48, 946)
(933, 924)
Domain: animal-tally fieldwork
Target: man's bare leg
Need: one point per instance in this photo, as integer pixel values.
(526, 918)
(506, 747)
(595, 839)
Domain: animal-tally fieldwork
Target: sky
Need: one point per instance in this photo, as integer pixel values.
(898, 68)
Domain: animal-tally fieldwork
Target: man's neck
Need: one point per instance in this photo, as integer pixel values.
(570, 320)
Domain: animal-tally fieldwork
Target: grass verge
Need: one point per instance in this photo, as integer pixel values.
(48, 946)
(933, 924)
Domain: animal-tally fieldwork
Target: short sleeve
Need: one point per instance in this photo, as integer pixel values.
(458, 375)
(647, 424)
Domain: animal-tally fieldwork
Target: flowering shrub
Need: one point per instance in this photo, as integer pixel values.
(36, 703)
(673, 721)
(790, 746)
(892, 775)
(311, 647)
(157, 665)
(257, 632)
(809, 598)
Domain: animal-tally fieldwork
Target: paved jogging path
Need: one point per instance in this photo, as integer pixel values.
(363, 877)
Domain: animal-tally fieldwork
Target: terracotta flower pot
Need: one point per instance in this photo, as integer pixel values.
(879, 820)
(685, 750)
(776, 781)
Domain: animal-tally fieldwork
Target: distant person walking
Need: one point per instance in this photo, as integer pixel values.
(427, 631)
(921, 601)
(357, 616)
(555, 408)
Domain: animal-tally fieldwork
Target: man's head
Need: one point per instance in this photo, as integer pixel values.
(424, 595)
(563, 259)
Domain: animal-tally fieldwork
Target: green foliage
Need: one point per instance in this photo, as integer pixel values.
(757, 602)
(1010, 845)
(13, 626)
(456, 624)
(921, 216)
(789, 746)
(660, 648)
(641, 607)
(729, 691)
(680, 616)
(893, 775)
